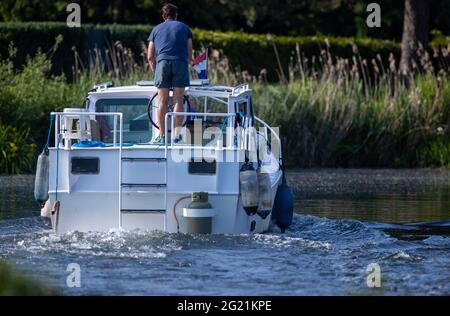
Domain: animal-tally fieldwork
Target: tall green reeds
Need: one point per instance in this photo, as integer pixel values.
(331, 111)
(355, 112)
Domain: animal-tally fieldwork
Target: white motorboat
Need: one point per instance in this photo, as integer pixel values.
(104, 172)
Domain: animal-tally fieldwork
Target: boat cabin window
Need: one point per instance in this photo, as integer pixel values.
(205, 104)
(202, 167)
(216, 126)
(85, 165)
(244, 111)
(136, 125)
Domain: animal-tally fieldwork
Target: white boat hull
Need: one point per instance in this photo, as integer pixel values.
(140, 186)
(95, 202)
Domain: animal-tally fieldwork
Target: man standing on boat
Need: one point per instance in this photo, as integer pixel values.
(169, 55)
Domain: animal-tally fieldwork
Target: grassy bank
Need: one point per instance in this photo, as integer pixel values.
(12, 283)
(331, 111)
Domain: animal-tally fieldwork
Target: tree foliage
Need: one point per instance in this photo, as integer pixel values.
(283, 17)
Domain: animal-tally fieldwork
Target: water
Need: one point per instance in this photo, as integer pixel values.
(355, 218)
(383, 195)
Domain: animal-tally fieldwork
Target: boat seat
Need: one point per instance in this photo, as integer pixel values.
(75, 126)
(95, 131)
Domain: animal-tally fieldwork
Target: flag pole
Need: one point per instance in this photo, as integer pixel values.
(207, 66)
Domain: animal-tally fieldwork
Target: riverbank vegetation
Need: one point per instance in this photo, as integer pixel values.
(12, 283)
(282, 17)
(251, 52)
(332, 111)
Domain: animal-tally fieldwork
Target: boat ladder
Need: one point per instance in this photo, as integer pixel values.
(146, 177)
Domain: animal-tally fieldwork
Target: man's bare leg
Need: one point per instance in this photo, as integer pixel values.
(178, 94)
(163, 102)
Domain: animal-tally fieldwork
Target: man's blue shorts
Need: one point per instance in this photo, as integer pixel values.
(172, 74)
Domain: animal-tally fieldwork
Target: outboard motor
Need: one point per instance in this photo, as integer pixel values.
(283, 207)
(248, 181)
(42, 178)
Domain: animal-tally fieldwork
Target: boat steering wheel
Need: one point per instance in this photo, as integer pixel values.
(169, 108)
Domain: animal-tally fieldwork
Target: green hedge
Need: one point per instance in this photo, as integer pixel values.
(255, 51)
(251, 52)
(28, 37)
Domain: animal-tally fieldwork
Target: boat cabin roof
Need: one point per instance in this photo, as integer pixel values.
(198, 88)
(138, 105)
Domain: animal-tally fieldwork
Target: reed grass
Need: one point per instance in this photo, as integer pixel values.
(355, 112)
(332, 111)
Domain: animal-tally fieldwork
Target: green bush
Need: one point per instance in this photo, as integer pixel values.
(32, 37)
(435, 154)
(17, 154)
(14, 284)
(30, 93)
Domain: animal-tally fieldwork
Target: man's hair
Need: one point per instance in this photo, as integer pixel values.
(169, 11)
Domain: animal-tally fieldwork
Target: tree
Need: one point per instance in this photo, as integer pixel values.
(415, 32)
(118, 11)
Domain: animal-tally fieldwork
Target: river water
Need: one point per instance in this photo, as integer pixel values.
(346, 220)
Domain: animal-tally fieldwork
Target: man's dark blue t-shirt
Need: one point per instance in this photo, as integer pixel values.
(170, 39)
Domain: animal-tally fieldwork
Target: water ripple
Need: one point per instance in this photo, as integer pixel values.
(316, 256)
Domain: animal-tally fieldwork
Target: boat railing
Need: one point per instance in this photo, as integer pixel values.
(276, 137)
(276, 150)
(239, 89)
(61, 118)
(230, 118)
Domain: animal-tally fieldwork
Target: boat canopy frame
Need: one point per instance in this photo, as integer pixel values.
(226, 95)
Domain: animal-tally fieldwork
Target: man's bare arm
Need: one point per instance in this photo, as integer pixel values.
(189, 48)
(151, 55)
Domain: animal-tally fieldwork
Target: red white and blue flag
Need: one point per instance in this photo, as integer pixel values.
(200, 65)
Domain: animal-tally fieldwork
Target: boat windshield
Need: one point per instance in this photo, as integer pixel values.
(203, 104)
(136, 125)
